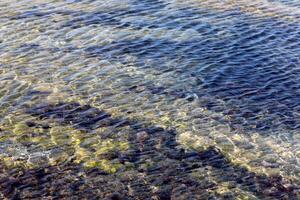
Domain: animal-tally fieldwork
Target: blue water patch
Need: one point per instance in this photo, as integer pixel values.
(252, 70)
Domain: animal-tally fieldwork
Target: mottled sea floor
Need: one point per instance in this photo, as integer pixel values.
(149, 99)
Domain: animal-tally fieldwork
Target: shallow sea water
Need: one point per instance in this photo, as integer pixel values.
(149, 99)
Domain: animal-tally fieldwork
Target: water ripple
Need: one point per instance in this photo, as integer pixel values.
(127, 89)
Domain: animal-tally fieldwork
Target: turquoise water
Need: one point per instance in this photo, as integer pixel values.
(149, 99)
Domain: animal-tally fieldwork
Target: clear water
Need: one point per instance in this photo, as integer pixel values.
(150, 99)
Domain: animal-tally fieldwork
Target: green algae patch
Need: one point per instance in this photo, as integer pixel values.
(93, 156)
(10, 163)
(105, 165)
(61, 135)
(46, 142)
(107, 146)
(96, 159)
(21, 128)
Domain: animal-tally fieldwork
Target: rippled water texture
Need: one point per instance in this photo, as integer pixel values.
(150, 99)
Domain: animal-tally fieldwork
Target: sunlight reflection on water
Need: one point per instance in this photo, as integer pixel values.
(220, 74)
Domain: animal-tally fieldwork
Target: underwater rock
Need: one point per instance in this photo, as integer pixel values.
(150, 163)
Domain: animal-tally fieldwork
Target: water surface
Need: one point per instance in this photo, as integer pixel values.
(150, 99)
